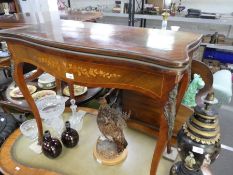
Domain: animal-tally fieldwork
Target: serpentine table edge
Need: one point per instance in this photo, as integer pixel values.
(162, 79)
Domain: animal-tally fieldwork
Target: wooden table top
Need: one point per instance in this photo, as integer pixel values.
(22, 19)
(152, 62)
(4, 62)
(160, 47)
(80, 15)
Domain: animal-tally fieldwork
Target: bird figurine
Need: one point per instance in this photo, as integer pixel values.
(111, 123)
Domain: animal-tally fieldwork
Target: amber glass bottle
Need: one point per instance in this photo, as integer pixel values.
(51, 147)
(70, 136)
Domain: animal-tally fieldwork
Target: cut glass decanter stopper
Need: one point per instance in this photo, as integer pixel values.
(73, 107)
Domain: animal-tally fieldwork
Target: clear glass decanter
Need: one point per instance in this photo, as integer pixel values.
(76, 119)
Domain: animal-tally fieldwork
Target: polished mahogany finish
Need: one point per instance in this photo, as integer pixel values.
(4, 63)
(15, 20)
(22, 19)
(154, 46)
(153, 62)
(80, 15)
(144, 110)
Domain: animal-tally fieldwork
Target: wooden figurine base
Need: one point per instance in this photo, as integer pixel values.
(105, 152)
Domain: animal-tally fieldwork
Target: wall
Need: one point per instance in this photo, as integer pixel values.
(32, 6)
(205, 5)
(187, 27)
(38, 5)
(26, 6)
(80, 4)
(94, 3)
(217, 6)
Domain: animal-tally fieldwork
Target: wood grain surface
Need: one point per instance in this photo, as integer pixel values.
(154, 62)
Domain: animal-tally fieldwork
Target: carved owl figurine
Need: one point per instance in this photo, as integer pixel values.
(111, 123)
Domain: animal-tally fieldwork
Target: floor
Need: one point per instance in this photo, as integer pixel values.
(223, 165)
(224, 161)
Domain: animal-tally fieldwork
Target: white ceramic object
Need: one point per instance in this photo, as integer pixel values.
(44, 93)
(46, 81)
(16, 93)
(78, 90)
(175, 28)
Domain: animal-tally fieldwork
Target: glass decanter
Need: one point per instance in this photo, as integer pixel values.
(76, 119)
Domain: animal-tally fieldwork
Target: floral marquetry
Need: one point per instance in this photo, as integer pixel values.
(93, 72)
